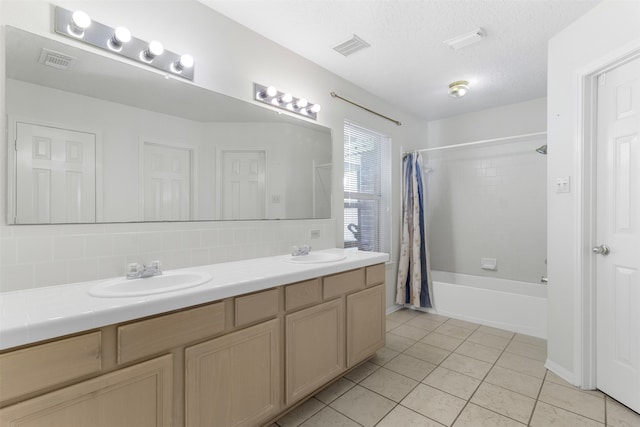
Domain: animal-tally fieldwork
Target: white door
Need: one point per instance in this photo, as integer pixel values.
(618, 227)
(243, 184)
(55, 175)
(167, 183)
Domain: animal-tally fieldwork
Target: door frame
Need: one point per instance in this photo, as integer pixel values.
(586, 187)
(193, 188)
(12, 166)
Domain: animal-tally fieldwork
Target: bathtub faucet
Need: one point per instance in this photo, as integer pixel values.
(141, 271)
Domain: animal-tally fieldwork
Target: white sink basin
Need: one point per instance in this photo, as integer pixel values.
(167, 282)
(316, 258)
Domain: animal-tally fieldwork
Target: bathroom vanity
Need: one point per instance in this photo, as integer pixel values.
(240, 350)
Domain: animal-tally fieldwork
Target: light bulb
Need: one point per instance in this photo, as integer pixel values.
(120, 36)
(154, 49)
(458, 89)
(302, 102)
(285, 98)
(315, 108)
(269, 92)
(79, 22)
(185, 61)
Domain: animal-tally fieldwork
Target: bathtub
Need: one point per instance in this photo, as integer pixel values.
(506, 304)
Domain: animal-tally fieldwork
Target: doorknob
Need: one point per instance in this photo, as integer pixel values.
(601, 250)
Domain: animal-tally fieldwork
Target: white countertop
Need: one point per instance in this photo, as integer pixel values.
(43, 313)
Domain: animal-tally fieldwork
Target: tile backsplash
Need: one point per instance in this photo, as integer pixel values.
(47, 255)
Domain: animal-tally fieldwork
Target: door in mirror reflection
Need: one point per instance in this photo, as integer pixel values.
(167, 182)
(55, 175)
(243, 186)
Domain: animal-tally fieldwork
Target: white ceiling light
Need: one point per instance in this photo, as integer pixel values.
(465, 40)
(459, 89)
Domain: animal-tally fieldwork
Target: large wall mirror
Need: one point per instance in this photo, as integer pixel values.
(100, 140)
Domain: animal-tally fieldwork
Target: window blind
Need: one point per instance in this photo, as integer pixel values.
(367, 176)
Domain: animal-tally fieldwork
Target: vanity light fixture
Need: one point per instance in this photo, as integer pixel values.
(285, 101)
(458, 89)
(80, 27)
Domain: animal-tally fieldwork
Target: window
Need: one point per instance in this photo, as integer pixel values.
(367, 185)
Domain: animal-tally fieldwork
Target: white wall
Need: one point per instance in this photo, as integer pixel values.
(604, 33)
(229, 58)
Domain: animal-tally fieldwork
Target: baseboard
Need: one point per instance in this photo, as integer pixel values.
(560, 371)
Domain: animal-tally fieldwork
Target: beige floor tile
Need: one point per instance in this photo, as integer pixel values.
(433, 403)
(547, 415)
(427, 352)
(454, 331)
(495, 331)
(410, 332)
(390, 325)
(489, 340)
(532, 351)
(383, 356)
(402, 315)
(301, 413)
(362, 372)
(335, 390)
(478, 351)
(574, 400)
(475, 416)
(410, 367)
(619, 415)
(551, 377)
(329, 417)
(521, 364)
(442, 341)
(424, 322)
(363, 406)
(452, 382)
(467, 365)
(505, 402)
(435, 317)
(514, 381)
(389, 384)
(463, 324)
(404, 417)
(529, 339)
(398, 343)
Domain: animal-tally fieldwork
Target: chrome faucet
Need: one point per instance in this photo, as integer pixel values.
(301, 250)
(141, 271)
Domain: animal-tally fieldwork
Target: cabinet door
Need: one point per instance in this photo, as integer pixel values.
(365, 324)
(137, 396)
(314, 348)
(234, 380)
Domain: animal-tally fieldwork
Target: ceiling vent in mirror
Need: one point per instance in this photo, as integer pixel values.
(54, 59)
(351, 46)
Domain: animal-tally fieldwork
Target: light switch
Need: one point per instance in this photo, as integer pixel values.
(563, 184)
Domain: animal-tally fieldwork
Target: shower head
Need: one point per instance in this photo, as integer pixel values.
(542, 150)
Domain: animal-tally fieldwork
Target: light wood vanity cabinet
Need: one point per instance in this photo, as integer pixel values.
(234, 380)
(241, 361)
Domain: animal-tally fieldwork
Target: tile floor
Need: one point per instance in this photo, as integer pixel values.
(436, 371)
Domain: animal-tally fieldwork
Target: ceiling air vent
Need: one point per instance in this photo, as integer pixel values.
(54, 59)
(351, 46)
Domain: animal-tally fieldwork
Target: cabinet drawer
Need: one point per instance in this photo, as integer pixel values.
(152, 336)
(303, 294)
(255, 307)
(35, 368)
(375, 275)
(343, 283)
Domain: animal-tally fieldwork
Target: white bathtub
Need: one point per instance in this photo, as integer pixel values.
(506, 304)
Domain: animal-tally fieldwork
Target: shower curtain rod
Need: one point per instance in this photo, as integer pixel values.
(335, 95)
(515, 138)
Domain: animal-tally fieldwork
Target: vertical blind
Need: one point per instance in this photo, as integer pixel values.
(367, 185)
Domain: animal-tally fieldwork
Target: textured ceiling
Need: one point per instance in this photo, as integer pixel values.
(408, 64)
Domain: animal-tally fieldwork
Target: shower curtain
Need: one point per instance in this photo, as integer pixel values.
(414, 272)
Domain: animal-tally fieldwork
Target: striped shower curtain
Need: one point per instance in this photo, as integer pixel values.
(414, 272)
